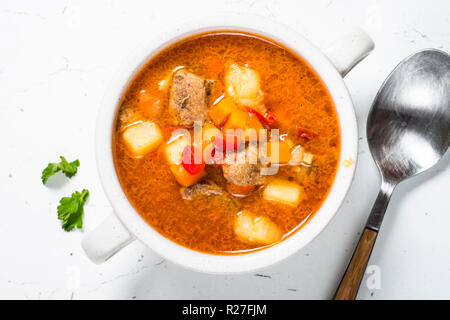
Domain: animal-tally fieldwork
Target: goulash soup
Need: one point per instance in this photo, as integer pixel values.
(226, 142)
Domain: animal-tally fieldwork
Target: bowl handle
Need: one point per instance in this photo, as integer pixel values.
(346, 52)
(106, 239)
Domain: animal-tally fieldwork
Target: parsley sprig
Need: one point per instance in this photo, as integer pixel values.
(71, 210)
(68, 168)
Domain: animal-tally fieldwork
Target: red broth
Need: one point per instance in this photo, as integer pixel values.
(292, 91)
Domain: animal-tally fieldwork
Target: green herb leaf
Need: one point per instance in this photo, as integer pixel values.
(51, 169)
(68, 168)
(70, 210)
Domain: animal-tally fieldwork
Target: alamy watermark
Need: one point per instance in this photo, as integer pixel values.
(373, 280)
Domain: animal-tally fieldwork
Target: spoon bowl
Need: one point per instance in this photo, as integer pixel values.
(408, 131)
(408, 125)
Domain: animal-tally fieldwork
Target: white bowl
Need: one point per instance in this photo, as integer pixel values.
(120, 229)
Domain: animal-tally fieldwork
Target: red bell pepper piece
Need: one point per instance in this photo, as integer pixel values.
(268, 118)
(306, 134)
(227, 141)
(188, 161)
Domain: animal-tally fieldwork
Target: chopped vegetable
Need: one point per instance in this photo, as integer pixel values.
(209, 151)
(209, 133)
(243, 85)
(296, 155)
(248, 122)
(227, 141)
(175, 147)
(70, 210)
(142, 137)
(287, 140)
(268, 117)
(261, 109)
(170, 130)
(283, 191)
(307, 158)
(305, 134)
(238, 120)
(185, 178)
(278, 152)
(240, 191)
(212, 155)
(252, 128)
(220, 112)
(301, 173)
(153, 156)
(256, 229)
(150, 104)
(191, 162)
(68, 168)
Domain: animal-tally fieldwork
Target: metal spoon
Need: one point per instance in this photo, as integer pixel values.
(408, 131)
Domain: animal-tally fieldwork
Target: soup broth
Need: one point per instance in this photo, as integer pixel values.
(216, 222)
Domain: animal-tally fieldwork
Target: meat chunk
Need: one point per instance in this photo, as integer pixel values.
(244, 169)
(243, 174)
(202, 189)
(189, 98)
(214, 195)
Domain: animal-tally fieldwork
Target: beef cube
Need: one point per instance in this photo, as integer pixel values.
(214, 195)
(244, 169)
(189, 97)
(202, 189)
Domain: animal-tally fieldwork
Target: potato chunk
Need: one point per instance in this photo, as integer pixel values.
(243, 85)
(307, 158)
(142, 137)
(256, 229)
(297, 155)
(174, 148)
(283, 191)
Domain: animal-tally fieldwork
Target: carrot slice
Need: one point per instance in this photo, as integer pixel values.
(278, 151)
(149, 104)
(237, 190)
(185, 178)
(220, 112)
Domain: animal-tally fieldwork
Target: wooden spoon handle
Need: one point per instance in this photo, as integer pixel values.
(348, 288)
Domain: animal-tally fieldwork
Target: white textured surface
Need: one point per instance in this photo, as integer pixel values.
(55, 60)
